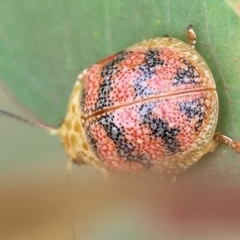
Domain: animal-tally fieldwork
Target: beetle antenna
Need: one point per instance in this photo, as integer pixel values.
(50, 129)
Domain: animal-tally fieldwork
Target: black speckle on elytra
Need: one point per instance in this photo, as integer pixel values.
(160, 128)
(187, 75)
(147, 70)
(108, 71)
(82, 100)
(124, 148)
(92, 141)
(193, 109)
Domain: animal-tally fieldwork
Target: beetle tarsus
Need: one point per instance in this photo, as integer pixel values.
(228, 141)
(191, 36)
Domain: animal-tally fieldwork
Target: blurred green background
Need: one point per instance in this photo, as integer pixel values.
(43, 47)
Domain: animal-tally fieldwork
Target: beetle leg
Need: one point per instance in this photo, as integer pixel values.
(228, 141)
(191, 36)
(82, 75)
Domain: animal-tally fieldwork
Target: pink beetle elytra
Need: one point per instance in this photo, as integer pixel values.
(151, 106)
